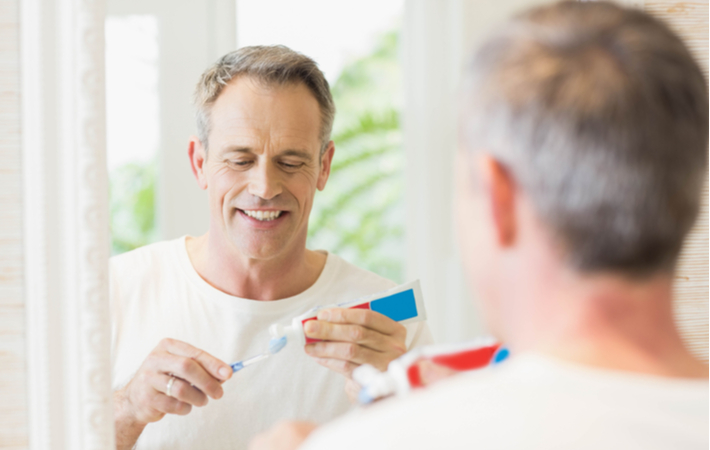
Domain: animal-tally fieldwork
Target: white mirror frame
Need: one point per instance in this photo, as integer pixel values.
(66, 230)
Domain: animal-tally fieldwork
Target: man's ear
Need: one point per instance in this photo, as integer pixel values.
(500, 190)
(325, 162)
(198, 157)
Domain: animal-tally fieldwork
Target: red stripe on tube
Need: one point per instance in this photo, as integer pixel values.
(468, 360)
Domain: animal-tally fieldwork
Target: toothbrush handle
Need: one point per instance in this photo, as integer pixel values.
(239, 365)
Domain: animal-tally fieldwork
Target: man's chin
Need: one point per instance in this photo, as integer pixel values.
(256, 247)
(260, 254)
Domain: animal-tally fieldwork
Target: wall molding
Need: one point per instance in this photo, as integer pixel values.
(66, 224)
(690, 20)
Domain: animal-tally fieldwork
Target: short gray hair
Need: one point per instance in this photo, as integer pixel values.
(272, 65)
(601, 115)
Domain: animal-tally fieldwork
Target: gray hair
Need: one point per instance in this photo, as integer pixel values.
(272, 65)
(601, 116)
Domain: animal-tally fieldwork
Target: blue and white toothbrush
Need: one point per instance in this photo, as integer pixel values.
(275, 346)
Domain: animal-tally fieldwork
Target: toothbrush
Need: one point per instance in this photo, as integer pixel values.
(275, 346)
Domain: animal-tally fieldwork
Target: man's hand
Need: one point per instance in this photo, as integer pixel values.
(196, 374)
(353, 337)
(283, 436)
(352, 390)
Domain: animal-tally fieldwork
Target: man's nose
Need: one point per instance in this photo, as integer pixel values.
(265, 182)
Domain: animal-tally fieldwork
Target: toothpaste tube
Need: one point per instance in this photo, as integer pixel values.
(404, 373)
(403, 304)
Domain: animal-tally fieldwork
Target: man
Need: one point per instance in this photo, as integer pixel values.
(584, 152)
(184, 309)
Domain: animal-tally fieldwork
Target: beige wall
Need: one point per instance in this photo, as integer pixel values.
(690, 20)
(13, 397)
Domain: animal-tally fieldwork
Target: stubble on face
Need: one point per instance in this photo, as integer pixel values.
(264, 167)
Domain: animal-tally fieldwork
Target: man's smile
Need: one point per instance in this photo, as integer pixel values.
(262, 218)
(261, 215)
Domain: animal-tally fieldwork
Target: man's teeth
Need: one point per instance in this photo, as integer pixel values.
(264, 216)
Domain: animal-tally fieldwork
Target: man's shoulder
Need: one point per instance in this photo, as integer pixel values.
(150, 257)
(411, 421)
(441, 412)
(546, 405)
(346, 274)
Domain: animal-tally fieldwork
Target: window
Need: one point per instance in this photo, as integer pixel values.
(360, 214)
(133, 127)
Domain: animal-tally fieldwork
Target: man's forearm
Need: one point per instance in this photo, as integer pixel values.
(128, 429)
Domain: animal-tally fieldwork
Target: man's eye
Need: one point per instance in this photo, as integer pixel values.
(291, 165)
(240, 163)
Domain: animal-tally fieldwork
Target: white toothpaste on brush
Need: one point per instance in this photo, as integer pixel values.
(403, 304)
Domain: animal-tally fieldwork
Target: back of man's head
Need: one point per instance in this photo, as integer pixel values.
(601, 115)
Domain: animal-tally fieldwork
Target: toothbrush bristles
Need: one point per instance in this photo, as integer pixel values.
(276, 344)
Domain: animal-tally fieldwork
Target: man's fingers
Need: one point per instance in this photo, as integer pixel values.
(327, 331)
(190, 371)
(170, 405)
(194, 375)
(218, 369)
(364, 317)
(180, 390)
(352, 390)
(350, 337)
(338, 365)
(347, 351)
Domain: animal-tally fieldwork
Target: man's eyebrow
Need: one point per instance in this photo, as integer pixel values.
(238, 150)
(297, 153)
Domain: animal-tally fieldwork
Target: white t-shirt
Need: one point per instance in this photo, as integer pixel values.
(156, 293)
(532, 402)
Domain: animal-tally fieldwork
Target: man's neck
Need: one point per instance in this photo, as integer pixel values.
(280, 277)
(607, 321)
